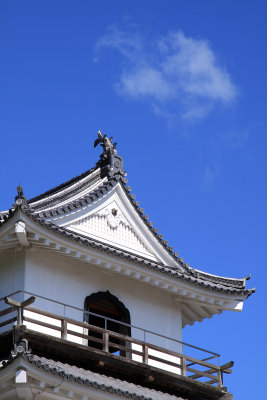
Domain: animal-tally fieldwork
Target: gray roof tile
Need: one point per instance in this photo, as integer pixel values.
(199, 278)
(224, 285)
(98, 381)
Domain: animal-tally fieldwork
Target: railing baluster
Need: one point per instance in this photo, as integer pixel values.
(64, 329)
(145, 354)
(184, 366)
(219, 374)
(106, 342)
(19, 316)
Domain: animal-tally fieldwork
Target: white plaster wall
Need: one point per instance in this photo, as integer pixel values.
(69, 281)
(11, 271)
(11, 279)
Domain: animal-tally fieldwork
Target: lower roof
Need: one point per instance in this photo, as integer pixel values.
(90, 379)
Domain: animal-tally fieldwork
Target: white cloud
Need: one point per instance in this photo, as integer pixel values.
(128, 45)
(174, 73)
(145, 82)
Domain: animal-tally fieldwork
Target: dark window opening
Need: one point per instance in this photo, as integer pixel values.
(106, 305)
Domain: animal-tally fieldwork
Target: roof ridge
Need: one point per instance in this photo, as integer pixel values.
(86, 199)
(61, 186)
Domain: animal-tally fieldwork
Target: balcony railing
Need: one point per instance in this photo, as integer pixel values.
(131, 348)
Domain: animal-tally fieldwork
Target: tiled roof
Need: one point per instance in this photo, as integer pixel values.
(97, 193)
(62, 186)
(87, 199)
(197, 278)
(96, 381)
(224, 285)
(113, 179)
(3, 216)
(114, 176)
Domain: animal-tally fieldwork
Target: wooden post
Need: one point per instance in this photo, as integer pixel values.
(219, 374)
(184, 366)
(145, 354)
(106, 340)
(64, 329)
(19, 316)
(19, 306)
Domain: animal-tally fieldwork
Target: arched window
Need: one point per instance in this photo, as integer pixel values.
(106, 305)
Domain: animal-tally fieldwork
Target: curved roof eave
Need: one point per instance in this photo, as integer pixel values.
(111, 167)
(172, 272)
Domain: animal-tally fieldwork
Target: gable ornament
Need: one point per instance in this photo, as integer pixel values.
(113, 218)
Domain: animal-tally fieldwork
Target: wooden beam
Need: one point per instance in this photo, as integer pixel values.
(15, 303)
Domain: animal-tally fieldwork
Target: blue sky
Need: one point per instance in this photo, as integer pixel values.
(181, 85)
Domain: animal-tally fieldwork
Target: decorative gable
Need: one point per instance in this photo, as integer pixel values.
(110, 225)
(109, 216)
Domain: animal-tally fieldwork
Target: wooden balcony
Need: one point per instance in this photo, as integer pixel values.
(51, 333)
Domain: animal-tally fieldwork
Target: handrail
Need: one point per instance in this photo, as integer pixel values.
(110, 341)
(111, 333)
(145, 331)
